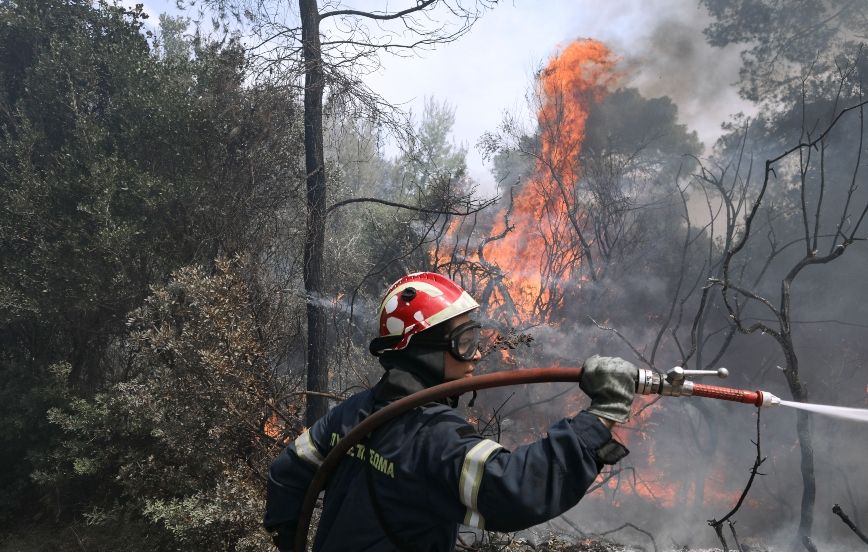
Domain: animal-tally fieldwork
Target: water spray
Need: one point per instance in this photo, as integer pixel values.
(648, 382)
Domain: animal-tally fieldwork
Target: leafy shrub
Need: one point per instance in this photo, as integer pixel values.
(186, 438)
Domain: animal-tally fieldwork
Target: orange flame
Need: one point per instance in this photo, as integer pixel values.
(273, 427)
(540, 255)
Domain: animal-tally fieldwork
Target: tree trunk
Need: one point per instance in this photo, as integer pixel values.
(317, 359)
(803, 427)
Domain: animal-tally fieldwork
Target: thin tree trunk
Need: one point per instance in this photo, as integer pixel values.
(317, 359)
(809, 492)
(803, 427)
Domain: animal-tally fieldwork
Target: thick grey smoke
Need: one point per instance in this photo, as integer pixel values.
(670, 57)
(691, 444)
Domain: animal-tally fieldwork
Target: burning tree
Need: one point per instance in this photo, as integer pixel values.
(580, 218)
(590, 178)
(596, 219)
(552, 245)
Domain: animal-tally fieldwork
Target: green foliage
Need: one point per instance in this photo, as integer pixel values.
(67, 193)
(184, 440)
(118, 164)
(374, 244)
(25, 429)
(431, 158)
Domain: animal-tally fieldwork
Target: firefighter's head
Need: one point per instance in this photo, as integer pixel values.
(426, 312)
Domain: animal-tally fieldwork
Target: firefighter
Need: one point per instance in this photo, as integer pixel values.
(415, 479)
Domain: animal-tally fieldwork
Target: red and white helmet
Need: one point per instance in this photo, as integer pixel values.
(415, 303)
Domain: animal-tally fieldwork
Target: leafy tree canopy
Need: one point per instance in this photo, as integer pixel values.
(786, 40)
(120, 163)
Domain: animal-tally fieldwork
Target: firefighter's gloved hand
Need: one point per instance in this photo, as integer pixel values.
(611, 384)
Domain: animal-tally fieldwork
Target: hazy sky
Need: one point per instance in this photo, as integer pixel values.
(488, 71)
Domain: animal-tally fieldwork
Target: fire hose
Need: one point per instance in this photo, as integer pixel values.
(674, 384)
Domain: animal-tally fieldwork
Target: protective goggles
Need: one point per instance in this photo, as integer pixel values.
(462, 342)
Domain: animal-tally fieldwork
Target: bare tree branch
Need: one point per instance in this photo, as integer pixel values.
(636, 352)
(471, 209)
(840, 513)
(754, 471)
(421, 5)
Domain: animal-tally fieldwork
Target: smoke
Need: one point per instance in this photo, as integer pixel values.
(669, 56)
(682, 446)
(691, 457)
(687, 447)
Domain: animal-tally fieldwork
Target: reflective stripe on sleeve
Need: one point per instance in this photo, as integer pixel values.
(306, 450)
(471, 478)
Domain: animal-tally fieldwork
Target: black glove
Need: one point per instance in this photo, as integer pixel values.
(611, 384)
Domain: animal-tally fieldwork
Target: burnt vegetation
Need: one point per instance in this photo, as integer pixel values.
(196, 228)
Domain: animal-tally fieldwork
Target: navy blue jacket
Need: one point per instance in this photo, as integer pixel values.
(428, 471)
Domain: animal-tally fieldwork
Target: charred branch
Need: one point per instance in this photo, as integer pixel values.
(471, 208)
(493, 426)
(737, 298)
(382, 16)
(627, 525)
(717, 524)
(626, 341)
(718, 529)
(836, 509)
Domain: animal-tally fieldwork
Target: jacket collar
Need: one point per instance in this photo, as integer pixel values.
(408, 372)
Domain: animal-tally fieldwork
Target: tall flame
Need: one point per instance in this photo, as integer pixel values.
(545, 253)
(542, 252)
